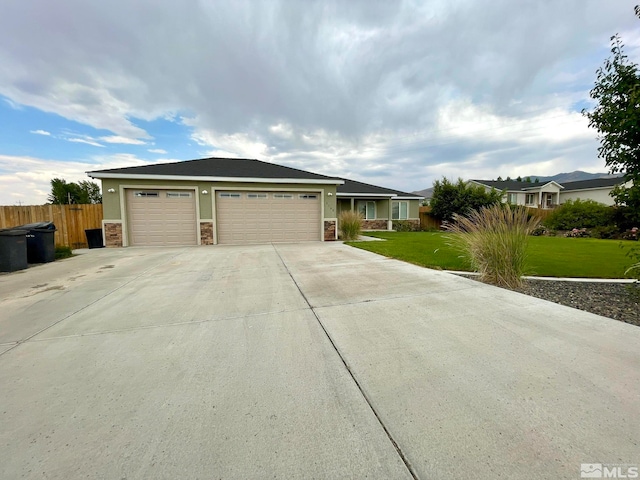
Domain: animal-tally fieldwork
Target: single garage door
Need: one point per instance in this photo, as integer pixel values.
(267, 217)
(161, 217)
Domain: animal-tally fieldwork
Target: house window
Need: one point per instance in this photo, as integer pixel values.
(367, 209)
(399, 210)
(531, 198)
(512, 198)
(229, 195)
(178, 194)
(147, 194)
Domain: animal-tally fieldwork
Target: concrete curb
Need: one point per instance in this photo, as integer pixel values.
(557, 279)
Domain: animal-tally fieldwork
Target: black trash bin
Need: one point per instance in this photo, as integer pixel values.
(94, 237)
(41, 243)
(13, 250)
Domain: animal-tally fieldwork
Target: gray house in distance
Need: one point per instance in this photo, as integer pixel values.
(213, 201)
(551, 194)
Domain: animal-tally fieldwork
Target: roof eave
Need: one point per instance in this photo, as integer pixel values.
(386, 195)
(191, 178)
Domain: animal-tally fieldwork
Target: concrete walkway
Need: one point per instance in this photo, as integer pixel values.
(302, 361)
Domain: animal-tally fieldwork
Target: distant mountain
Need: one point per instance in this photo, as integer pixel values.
(570, 176)
(426, 193)
(560, 177)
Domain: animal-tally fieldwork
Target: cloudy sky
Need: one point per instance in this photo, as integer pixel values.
(392, 93)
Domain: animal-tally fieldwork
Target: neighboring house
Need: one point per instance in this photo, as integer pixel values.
(551, 194)
(234, 201)
(598, 189)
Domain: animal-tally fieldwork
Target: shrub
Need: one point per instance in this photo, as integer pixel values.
(577, 233)
(539, 231)
(350, 225)
(607, 231)
(631, 234)
(63, 252)
(580, 214)
(449, 199)
(405, 226)
(494, 239)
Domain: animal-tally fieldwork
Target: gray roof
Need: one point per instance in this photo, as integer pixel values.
(359, 188)
(217, 167)
(509, 184)
(594, 183)
(244, 168)
(567, 186)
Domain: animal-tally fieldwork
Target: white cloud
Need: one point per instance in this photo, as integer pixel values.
(27, 180)
(397, 93)
(87, 141)
(40, 132)
(123, 140)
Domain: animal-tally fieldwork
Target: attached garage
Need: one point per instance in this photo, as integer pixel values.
(158, 217)
(268, 217)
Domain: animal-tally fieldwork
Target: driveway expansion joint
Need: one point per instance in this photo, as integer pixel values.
(399, 451)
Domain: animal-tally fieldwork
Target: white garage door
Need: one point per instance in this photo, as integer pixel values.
(161, 217)
(267, 217)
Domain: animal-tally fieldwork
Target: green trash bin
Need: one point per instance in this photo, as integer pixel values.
(13, 250)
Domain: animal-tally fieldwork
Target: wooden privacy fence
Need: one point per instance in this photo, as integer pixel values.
(427, 221)
(70, 220)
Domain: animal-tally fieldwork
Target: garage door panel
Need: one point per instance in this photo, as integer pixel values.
(267, 217)
(161, 217)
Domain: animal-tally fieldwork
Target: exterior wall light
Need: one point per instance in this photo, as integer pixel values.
(112, 190)
(204, 192)
(329, 194)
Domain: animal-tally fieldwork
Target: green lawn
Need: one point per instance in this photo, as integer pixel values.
(548, 256)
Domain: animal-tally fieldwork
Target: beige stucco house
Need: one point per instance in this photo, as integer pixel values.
(237, 201)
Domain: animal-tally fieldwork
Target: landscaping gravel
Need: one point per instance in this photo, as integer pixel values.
(613, 300)
(620, 301)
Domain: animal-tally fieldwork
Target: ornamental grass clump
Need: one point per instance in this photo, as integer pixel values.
(350, 225)
(494, 240)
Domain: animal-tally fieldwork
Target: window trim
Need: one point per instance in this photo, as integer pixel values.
(399, 204)
(146, 194)
(179, 194)
(367, 204)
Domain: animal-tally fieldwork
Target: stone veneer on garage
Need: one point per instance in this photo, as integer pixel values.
(206, 233)
(329, 230)
(113, 234)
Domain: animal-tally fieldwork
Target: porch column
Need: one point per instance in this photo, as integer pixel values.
(352, 204)
(390, 221)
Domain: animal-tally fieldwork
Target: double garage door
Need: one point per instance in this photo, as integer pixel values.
(169, 217)
(267, 217)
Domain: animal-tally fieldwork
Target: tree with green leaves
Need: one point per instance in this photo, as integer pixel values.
(450, 198)
(64, 193)
(616, 117)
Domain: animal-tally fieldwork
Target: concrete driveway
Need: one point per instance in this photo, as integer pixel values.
(302, 361)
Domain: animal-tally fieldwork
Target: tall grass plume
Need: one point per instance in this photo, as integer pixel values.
(494, 240)
(349, 225)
